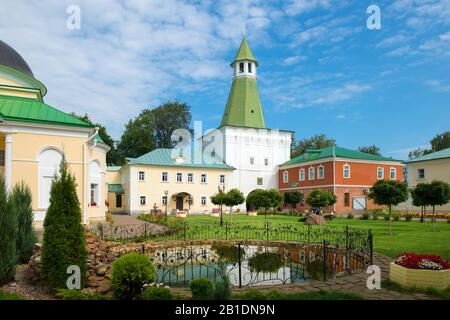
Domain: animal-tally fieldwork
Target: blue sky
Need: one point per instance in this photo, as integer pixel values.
(321, 69)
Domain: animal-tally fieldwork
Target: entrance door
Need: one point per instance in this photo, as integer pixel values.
(180, 203)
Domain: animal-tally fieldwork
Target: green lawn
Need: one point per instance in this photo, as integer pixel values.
(406, 236)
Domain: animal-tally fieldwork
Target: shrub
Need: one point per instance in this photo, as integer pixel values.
(64, 239)
(302, 218)
(72, 294)
(376, 213)
(315, 269)
(26, 238)
(156, 293)
(8, 231)
(202, 289)
(396, 215)
(222, 289)
(448, 219)
(408, 217)
(129, 275)
(365, 216)
(350, 216)
(265, 262)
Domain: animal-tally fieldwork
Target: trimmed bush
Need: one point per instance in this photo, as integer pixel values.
(222, 289)
(376, 213)
(365, 216)
(129, 275)
(26, 238)
(64, 240)
(155, 293)
(8, 231)
(408, 217)
(350, 216)
(201, 289)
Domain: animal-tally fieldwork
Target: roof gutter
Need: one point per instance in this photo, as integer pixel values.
(85, 187)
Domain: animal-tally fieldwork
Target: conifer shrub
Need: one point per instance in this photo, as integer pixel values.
(201, 289)
(64, 239)
(129, 275)
(26, 238)
(8, 231)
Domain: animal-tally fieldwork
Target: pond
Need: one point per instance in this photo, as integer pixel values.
(248, 265)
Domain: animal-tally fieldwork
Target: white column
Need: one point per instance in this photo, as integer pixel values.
(8, 161)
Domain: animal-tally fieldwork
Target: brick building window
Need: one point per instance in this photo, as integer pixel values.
(320, 172)
(380, 173)
(285, 177)
(301, 174)
(346, 171)
(311, 175)
(393, 174)
(346, 199)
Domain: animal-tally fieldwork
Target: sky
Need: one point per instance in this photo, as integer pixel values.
(321, 69)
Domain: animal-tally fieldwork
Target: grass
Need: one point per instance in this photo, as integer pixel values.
(9, 296)
(394, 286)
(254, 294)
(412, 236)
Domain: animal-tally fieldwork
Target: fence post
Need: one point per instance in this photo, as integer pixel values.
(226, 230)
(143, 249)
(370, 238)
(145, 231)
(309, 233)
(101, 231)
(239, 264)
(184, 231)
(267, 231)
(347, 244)
(324, 260)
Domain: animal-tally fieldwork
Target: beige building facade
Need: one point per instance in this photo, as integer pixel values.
(34, 137)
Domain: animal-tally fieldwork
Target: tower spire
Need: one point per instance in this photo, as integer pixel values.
(243, 107)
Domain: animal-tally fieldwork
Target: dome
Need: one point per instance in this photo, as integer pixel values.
(11, 58)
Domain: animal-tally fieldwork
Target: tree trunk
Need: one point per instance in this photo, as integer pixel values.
(221, 216)
(390, 221)
(423, 213)
(433, 220)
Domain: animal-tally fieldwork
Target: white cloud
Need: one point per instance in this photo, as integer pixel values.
(294, 59)
(296, 7)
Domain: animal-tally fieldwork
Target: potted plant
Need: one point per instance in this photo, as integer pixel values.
(420, 270)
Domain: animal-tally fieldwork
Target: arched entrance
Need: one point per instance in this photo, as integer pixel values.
(248, 206)
(183, 200)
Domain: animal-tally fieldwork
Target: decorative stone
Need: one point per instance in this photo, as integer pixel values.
(315, 219)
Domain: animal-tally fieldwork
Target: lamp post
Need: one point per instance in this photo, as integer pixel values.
(221, 190)
(166, 192)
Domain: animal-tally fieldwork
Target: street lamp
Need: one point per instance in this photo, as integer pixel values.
(221, 190)
(166, 192)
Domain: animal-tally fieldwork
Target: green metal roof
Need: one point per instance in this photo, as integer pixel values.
(98, 139)
(113, 168)
(244, 52)
(163, 157)
(312, 155)
(31, 110)
(445, 153)
(116, 188)
(243, 107)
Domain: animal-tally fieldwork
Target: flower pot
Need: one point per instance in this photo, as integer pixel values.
(438, 279)
(253, 213)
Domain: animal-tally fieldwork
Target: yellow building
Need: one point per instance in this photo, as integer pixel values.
(34, 136)
(433, 166)
(163, 177)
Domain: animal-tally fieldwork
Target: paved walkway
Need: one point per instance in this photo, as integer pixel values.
(122, 219)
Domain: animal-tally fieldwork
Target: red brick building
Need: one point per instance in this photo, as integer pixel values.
(349, 174)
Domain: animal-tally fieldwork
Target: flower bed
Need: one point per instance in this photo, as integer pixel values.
(413, 270)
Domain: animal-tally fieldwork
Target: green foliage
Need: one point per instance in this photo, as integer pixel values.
(8, 231)
(129, 275)
(9, 296)
(376, 213)
(373, 149)
(438, 143)
(25, 238)
(222, 289)
(234, 197)
(113, 157)
(72, 294)
(350, 216)
(388, 192)
(316, 269)
(155, 293)
(201, 289)
(365, 215)
(418, 194)
(64, 239)
(265, 262)
(394, 286)
(321, 198)
(219, 198)
(228, 254)
(153, 128)
(318, 141)
(293, 198)
(408, 217)
(265, 198)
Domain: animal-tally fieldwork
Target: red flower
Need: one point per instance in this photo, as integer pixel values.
(421, 261)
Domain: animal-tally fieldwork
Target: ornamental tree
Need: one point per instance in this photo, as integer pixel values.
(389, 193)
(234, 197)
(418, 194)
(292, 198)
(64, 240)
(219, 199)
(321, 199)
(437, 194)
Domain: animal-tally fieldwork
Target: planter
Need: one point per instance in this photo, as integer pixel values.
(215, 214)
(253, 214)
(438, 279)
(181, 214)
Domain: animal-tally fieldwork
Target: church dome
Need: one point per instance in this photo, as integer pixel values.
(11, 58)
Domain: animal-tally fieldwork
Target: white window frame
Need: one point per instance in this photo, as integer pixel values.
(311, 173)
(94, 194)
(301, 174)
(285, 176)
(222, 179)
(393, 170)
(203, 200)
(380, 169)
(323, 172)
(179, 177)
(418, 173)
(139, 176)
(164, 200)
(167, 176)
(190, 178)
(203, 178)
(345, 168)
(142, 203)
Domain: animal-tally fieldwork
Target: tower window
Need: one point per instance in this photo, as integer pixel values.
(241, 67)
(249, 67)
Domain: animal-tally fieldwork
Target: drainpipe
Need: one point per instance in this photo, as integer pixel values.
(334, 176)
(85, 196)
